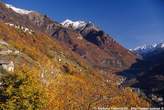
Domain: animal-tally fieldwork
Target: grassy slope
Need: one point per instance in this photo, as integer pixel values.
(68, 81)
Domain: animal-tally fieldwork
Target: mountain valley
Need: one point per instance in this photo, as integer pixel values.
(72, 65)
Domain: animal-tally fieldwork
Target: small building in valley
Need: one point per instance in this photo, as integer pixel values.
(7, 65)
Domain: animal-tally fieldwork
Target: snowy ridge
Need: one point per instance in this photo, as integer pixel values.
(18, 10)
(148, 48)
(74, 24)
(79, 25)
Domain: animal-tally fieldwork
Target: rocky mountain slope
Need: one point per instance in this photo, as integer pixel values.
(86, 40)
(61, 72)
(61, 62)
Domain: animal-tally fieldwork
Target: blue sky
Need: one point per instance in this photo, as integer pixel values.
(130, 22)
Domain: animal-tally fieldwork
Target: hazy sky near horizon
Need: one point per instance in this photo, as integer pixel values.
(130, 22)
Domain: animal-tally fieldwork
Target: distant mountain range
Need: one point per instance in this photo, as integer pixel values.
(149, 49)
(148, 72)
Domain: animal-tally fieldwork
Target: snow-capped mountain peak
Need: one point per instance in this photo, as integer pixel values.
(74, 24)
(18, 10)
(80, 25)
(162, 45)
(145, 49)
